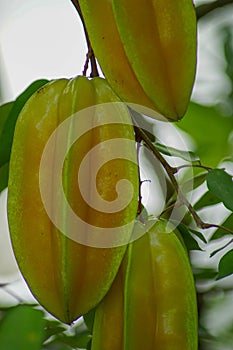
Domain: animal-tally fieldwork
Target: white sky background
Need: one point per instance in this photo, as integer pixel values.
(39, 39)
(44, 39)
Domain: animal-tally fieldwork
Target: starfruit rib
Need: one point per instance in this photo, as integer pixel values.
(101, 94)
(66, 277)
(159, 39)
(109, 50)
(108, 329)
(75, 276)
(175, 292)
(30, 229)
(140, 304)
(152, 299)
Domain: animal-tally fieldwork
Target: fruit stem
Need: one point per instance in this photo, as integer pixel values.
(90, 54)
(141, 135)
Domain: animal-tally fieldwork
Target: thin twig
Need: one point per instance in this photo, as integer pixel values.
(169, 208)
(90, 54)
(193, 166)
(170, 172)
(220, 227)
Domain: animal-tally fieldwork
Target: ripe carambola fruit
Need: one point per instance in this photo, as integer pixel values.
(69, 278)
(152, 302)
(147, 50)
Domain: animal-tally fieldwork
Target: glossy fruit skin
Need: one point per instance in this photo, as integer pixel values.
(66, 277)
(147, 51)
(152, 302)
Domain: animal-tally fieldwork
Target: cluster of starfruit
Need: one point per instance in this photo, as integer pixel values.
(72, 234)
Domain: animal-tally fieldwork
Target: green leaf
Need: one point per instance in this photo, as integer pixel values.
(221, 248)
(206, 200)
(52, 328)
(219, 233)
(6, 136)
(89, 345)
(4, 113)
(225, 267)
(228, 50)
(198, 234)
(80, 339)
(189, 241)
(173, 152)
(210, 130)
(221, 185)
(89, 319)
(4, 173)
(57, 346)
(201, 274)
(193, 183)
(22, 328)
(76, 341)
(143, 123)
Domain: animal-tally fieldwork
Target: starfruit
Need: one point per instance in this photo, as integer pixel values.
(152, 302)
(147, 51)
(70, 273)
